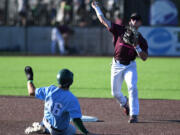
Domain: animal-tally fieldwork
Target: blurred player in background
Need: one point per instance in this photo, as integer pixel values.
(128, 43)
(59, 106)
(22, 10)
(57, 38)
(60, 35)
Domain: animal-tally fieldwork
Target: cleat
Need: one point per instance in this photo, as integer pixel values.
(133, 119)
(35, 129)
(126, 108)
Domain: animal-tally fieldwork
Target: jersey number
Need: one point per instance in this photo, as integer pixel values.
(57, 109)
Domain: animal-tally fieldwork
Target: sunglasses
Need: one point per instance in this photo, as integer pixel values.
(137, 18)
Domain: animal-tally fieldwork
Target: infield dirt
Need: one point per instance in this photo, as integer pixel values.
(157, 117)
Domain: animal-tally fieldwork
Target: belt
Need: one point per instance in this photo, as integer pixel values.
(123, 62)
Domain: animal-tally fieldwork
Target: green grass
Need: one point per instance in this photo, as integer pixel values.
(158, 78)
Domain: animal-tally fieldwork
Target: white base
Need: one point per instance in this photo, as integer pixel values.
(89, 119)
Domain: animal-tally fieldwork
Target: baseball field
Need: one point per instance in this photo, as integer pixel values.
(158, 87)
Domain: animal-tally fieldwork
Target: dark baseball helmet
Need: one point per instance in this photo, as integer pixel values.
(65, 78)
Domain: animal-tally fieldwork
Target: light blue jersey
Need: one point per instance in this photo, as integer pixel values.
(60, 106)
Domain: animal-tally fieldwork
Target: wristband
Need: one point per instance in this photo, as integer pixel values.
(138, 49)
(98, 11)
(31, 81)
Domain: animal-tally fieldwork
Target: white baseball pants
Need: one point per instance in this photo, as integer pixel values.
(56, 37)
(71, 130)
(119, 73)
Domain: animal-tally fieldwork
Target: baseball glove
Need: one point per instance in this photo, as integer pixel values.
(131, 36)
(29, 72)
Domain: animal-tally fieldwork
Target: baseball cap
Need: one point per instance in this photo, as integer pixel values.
(136, 16)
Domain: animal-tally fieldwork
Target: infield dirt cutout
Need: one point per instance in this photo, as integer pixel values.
(157, 117)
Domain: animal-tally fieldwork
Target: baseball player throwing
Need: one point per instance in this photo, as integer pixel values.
(60, 105)
(128, 43)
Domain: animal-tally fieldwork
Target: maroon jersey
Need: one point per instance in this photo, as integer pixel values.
(122, 51)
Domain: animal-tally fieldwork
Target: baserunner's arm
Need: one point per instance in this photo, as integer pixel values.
(100, 15)
(29, 74)
(31, 88)
(79, 124)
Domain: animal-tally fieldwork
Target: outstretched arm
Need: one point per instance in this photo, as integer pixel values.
(100, 15)
(78, 122)
(29, 74)
(31, 88)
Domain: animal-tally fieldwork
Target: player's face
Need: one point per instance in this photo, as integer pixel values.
(136, 23)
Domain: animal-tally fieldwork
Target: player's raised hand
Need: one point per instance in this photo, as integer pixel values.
(29, 72)
(94, 4)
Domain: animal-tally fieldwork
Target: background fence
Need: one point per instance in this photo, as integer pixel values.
(163, 41)
(26, 28)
